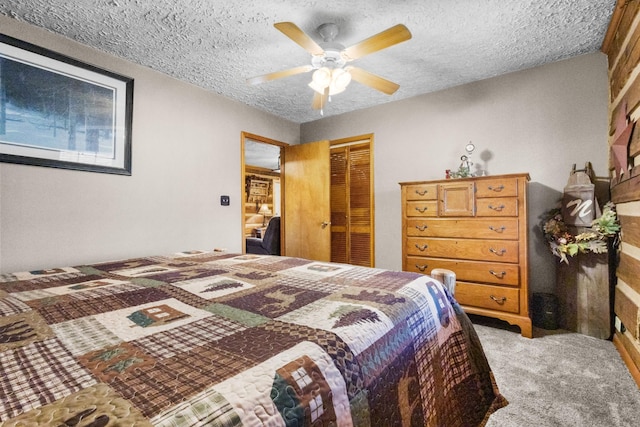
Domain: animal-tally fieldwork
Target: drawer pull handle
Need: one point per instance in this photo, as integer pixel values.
(500, 300)
(497, 189)
(499, 275)
(497, 230)
(422, 210)
(422, 268)
(496, 208)
(498, 252)
(422, 193)
(422, 227)
(421, 248)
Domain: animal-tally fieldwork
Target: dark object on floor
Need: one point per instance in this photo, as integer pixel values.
(544, 309)
(270, 243)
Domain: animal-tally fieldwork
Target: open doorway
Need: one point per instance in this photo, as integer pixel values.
(262, 195)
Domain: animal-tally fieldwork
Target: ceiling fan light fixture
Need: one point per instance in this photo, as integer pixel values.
(322, 77)
(340, 79)
(336, 79)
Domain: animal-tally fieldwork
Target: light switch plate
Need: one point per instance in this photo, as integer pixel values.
(224, 200)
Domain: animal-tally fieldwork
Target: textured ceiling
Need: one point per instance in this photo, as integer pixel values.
(217, 44)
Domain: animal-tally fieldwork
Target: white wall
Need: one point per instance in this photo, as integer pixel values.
(186, 153)
(539, 121)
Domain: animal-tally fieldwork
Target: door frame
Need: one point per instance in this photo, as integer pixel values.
(244, 136)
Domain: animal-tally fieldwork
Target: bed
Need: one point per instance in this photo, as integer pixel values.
(214, 338)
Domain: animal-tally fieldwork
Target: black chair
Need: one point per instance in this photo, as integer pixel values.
(270, 242)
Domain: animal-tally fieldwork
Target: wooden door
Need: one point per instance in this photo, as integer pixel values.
(307, 210)
(352, 201)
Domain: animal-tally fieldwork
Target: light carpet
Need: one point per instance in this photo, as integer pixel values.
(558, 378)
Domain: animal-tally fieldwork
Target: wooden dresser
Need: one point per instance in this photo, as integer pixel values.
(476, 227)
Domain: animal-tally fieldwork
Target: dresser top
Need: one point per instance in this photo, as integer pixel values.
(473, 178)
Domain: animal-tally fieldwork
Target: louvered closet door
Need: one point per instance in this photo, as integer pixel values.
(351, 204)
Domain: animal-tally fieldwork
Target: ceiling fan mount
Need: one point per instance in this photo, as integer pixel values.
(328, 31)
(329, 60)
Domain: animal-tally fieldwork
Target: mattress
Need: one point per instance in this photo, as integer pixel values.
(222, 339)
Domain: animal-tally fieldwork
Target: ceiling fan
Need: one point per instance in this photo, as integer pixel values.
(332, 75)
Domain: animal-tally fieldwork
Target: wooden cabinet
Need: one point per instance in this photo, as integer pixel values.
(476, 227)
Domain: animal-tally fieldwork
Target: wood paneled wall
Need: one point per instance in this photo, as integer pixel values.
(622, 47)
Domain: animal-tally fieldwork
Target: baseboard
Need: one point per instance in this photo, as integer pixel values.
(618, 341)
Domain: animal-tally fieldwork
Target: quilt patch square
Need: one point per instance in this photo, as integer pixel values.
(42, 281)
(97, 405)
(154, 389)
(49, 273)
(260, 342)
(119, 360)
(274, 301)
(317, 270)
(10, 305)
(21, 329)
(358, 325)
(146, 319)
(205, 408)
(125, 264)
(84, 335)
(189, 337)
(395, 393)
(214, 287)
(63, 308)
(181, 274)
(306, 283)
(39, 373)
(391, 280)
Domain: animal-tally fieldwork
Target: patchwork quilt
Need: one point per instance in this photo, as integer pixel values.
(213, 338)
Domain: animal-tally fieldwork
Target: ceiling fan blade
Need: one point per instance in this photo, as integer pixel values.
(320, 100)
(292, 31)
(279, 74)
(369, 79)
(383, 40)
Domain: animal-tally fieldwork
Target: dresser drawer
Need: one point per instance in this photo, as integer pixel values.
(480, 250)
(427, 208)
(422, 192)
(469, 271)
(499, 187)
(499, 228)
(487, 296)
(493, 206)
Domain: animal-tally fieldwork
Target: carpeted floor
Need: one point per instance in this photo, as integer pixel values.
(558, 378)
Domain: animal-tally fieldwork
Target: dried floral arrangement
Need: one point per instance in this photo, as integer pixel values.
(564, 244)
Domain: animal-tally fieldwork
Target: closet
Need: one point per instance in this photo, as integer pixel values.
(352, 209)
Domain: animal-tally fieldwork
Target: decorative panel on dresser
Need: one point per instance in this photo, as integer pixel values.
(476, 227)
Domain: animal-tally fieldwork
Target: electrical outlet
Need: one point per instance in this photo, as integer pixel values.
(224, 200)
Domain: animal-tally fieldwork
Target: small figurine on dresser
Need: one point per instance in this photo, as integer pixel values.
(464, 170)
